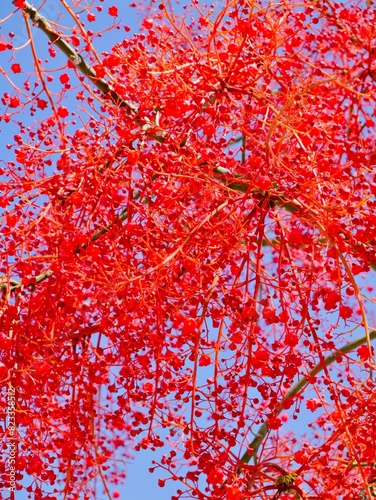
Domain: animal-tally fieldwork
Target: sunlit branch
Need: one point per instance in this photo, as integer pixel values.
(300, 386)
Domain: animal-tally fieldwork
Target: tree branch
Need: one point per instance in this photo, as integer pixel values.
(299, 386)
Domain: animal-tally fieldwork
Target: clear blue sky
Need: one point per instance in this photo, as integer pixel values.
(139, 483)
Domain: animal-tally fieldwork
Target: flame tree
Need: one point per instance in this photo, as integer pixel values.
(187, 226)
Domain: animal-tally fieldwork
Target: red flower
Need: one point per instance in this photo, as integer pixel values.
(42, 104)
(64, 78)
(21, 4)
(215, 477)
(346, 312)
(14, 102)
(313, 404)
(133, 157)
(113, 11)
(204, 360)
(364, 352)
(233, 493)
(16, 68)
(75, 41)
(62, 112)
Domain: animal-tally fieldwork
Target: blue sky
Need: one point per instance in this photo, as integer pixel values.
(139, 483)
